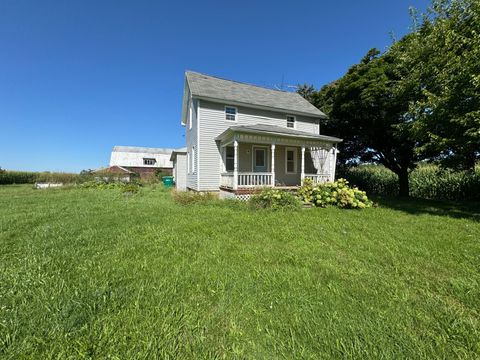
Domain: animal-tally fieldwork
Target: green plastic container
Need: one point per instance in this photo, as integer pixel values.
(167, 181)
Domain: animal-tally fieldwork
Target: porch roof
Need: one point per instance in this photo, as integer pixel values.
(273, 130)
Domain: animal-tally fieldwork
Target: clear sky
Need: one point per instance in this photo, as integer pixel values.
(80, 76)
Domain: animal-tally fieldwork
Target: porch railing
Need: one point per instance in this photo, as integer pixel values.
(254, 179)
(247, 179)
(318, 178)
(227, 180)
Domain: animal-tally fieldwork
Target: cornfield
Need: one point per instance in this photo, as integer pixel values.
(426, 181)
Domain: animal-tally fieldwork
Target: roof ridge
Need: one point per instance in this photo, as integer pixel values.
(240, 82)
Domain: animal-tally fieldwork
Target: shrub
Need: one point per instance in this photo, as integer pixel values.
(102, 184)
(132, 188)
(192, 197)
(335, 194)
(274, 199)
(306, 191)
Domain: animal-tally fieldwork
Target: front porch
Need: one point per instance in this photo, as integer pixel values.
(253, 158)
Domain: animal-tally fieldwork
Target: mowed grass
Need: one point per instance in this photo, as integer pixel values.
(96, 274)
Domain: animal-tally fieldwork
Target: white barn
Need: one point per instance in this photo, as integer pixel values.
(142, 160)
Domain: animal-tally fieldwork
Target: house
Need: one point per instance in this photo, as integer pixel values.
(240, 137)
(142, 160)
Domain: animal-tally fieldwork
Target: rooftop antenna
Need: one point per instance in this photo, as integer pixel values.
(285, 87)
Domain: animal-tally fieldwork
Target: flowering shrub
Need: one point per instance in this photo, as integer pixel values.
(274, 199)
(336, 194)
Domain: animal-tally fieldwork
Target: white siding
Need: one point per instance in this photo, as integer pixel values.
(180, 172)
(213, 123)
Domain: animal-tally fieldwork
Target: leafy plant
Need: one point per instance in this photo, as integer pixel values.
(192, 197)
(335, 194)
(274, 199)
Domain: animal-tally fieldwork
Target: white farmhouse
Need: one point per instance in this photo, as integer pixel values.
(142, 160)
(240, 137)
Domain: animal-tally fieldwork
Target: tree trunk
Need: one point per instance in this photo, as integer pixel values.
(403, 184)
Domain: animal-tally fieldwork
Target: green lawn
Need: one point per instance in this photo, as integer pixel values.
(95, 274)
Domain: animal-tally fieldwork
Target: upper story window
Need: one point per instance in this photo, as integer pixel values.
(149, 161)
(290, 121)
(230, 113)
(190, 113)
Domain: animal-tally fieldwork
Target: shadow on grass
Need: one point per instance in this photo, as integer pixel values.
(415, 206)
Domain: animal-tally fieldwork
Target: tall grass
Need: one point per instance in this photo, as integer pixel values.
(426, 181)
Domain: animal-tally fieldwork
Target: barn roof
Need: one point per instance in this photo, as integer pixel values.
(138, 149)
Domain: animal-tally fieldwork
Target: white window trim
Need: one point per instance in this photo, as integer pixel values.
(295, 156)
(188, 162)
(225, 114)
(190, 113)
(194, 160)
(294, 121)
(267, 156)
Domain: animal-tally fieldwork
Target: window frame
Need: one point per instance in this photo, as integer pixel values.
(231, 157)
(225, 113)
(190, 114)
(295, 160)
(147, 160)
(194, 160)
(294, 121)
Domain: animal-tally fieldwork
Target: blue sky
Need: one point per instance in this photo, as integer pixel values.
(78, 77)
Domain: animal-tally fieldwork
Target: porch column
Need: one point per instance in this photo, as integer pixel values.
(273, 164)
(302, 174)
(334, 165)
(235, 165)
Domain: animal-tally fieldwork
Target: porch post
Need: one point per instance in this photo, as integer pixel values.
(273, 165)
(235, 165)
(302, 174)
(334, 166)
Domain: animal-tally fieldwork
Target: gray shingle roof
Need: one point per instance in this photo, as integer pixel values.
(227, 90)
(278, 130)
(138, 149)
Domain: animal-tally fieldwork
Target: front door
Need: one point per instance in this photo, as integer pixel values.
(259, 159)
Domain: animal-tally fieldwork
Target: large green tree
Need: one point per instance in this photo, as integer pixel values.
(418, 100)
(442, 59)
(367, 113)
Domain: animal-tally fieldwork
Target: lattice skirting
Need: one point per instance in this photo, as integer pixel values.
(230, 195)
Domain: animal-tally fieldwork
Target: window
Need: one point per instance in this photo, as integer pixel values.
(229, 158)
(149, 161)
(230, 113)
(291, 160)
(290, 121)
(190, 113)
(193, 160)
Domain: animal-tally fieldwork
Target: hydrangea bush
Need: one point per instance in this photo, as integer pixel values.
(337, 193)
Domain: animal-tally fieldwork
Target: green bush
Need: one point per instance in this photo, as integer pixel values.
(334, 194)
(427, 181)
(192, 197)
(274, 199)
(103, 184)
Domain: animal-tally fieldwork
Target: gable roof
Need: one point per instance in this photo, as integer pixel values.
(277, 130)
(214, 88)
(138, 149)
